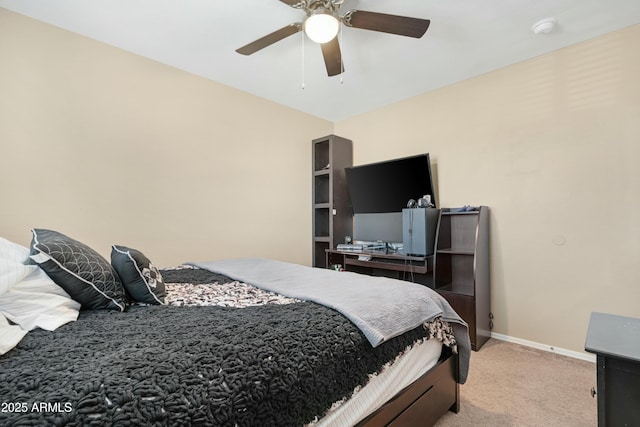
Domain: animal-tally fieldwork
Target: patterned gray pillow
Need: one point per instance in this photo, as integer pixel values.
(86, 276)
(140, 278)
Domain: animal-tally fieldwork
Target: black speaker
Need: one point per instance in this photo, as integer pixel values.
(419, 230)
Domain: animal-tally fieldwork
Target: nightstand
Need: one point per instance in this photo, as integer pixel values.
(616, 342)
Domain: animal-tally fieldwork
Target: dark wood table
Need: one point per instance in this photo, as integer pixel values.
(385, 263)
(616, 342)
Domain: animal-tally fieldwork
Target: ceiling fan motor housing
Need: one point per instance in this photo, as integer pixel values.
(322, 24)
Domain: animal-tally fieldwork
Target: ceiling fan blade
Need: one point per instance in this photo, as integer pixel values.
(294, 3)
(332, 57)
(270, 39)
(392, 24)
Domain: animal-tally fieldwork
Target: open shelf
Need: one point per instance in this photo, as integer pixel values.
(463, 288)
(321, 188)
(456, 251)
(458, 231)
(321, 155)
(319, 248)
(321, 222)
(455, 269)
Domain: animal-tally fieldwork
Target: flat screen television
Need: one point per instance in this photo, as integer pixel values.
(388, 186)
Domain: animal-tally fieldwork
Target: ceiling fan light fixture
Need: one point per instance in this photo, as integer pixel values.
(322, 25)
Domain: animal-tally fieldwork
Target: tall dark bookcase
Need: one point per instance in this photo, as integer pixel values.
(332, 216)
(461, 269)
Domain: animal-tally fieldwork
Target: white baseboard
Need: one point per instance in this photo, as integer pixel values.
(545, 347)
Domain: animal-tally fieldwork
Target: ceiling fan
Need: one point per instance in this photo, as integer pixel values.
(322, 25)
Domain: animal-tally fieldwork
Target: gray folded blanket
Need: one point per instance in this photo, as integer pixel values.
(381, 307)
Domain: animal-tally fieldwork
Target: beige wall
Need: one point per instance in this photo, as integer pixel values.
(109, 147)
(552, 146)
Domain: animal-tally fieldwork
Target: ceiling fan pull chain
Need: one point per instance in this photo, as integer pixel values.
(302, 32)
(341, 61)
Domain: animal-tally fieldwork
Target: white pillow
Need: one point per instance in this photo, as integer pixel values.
(13, 268)
(10, 335)
(28, 297)
(37, 302)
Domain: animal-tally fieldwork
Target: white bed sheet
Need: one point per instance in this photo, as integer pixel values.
(406, 368)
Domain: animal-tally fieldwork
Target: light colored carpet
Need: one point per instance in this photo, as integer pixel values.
(514, 385)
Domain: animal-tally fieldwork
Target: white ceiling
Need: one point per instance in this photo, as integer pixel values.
(466, 38)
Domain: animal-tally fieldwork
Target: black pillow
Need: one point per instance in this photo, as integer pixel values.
(86, 275)
(141, 279)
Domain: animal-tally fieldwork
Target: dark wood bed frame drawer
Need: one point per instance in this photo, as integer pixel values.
(423, 402)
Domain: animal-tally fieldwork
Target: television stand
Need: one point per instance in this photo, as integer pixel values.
(397, 265)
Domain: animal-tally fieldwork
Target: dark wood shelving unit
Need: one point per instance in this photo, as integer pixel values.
(458, 270)
(331, 210)
(461, 270)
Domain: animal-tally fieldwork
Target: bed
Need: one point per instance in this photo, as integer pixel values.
(205, 348)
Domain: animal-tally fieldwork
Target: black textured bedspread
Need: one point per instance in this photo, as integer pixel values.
(279, 365)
